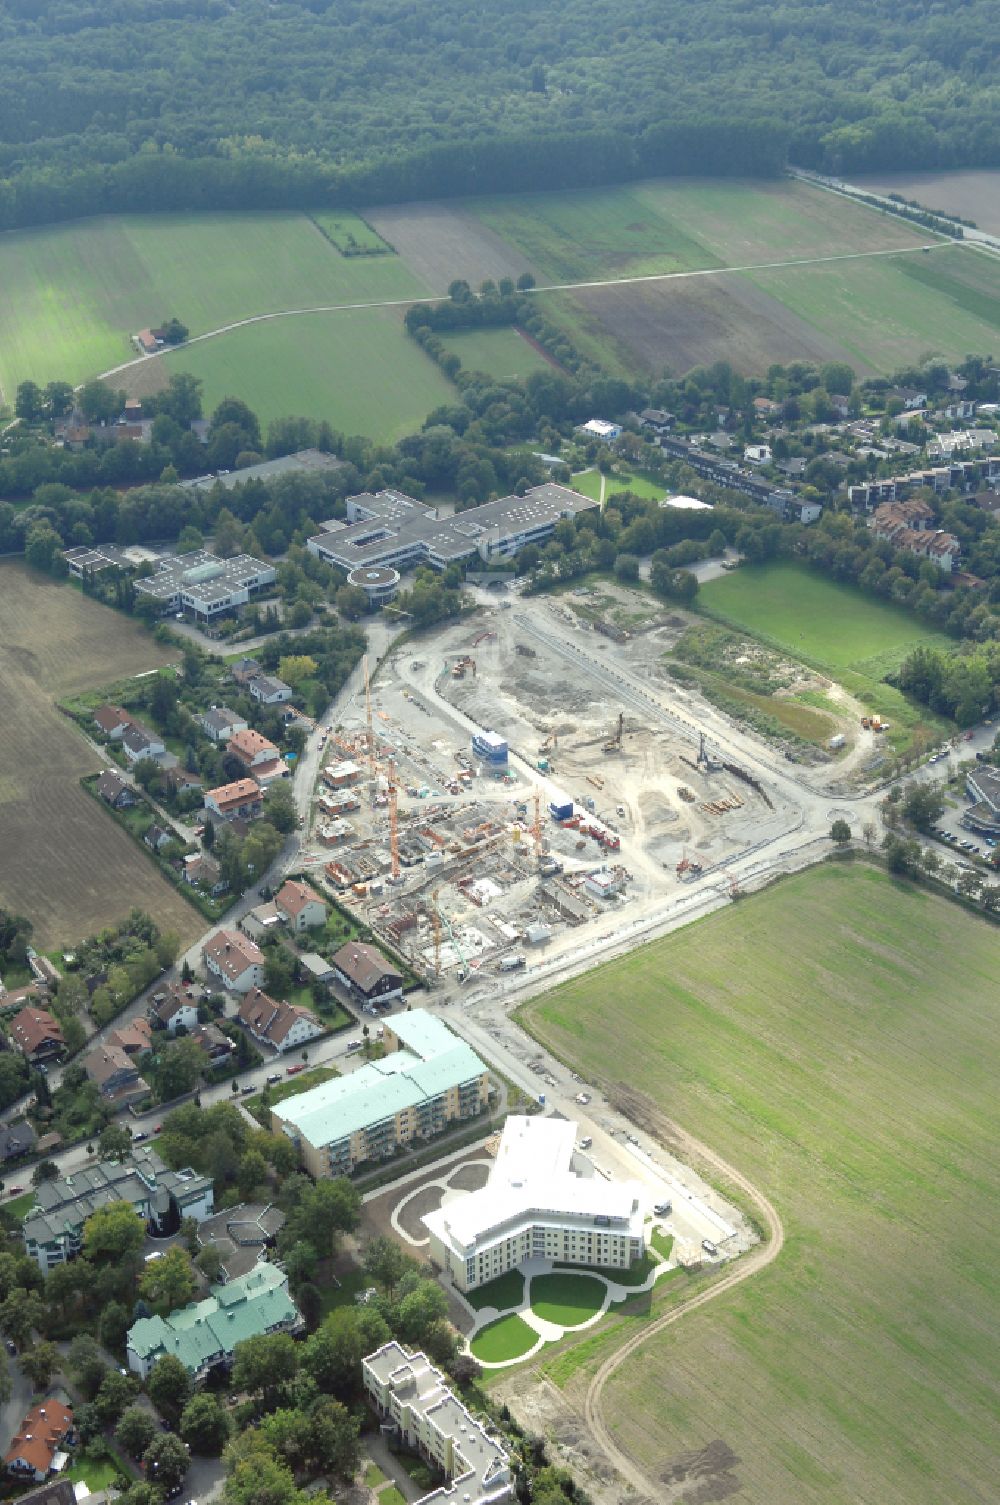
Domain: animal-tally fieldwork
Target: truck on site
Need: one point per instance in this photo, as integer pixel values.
(511, 963)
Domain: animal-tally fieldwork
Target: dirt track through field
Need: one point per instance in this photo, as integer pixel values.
(691, 1149)
(551, 287)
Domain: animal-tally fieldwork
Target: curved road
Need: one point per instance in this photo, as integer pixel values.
(552, 287)
(765, 1254)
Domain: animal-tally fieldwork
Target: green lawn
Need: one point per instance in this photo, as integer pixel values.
(588, 483)
(391, 1496)
(374, 1476)
(834, 627)
(19, 1207)
(504, 1292)
(359, 369)
(566, 1299)
(835, 1037)
(501, 353)
(97, 1473)
(662, 1242)
(888, 312)
(350, 1286)
(74, 293)
(506, 1338)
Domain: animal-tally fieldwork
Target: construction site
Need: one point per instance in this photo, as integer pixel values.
(487, 802)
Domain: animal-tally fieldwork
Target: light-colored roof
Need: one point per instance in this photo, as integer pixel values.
(481, 1464)
(531, 1182)
(422, 1032)
(248, 1306)
(335, 1110)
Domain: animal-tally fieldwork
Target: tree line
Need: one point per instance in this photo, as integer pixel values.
(196, 104)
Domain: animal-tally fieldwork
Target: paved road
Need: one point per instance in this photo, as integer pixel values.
(970, 234)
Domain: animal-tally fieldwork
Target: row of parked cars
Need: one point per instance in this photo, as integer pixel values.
(965, 846)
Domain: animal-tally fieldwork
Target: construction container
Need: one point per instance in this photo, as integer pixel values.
(491, 748)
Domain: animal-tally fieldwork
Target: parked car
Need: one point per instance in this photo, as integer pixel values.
(294, 1070)
(138, 1138)
(274, 1077)
(662, 1209)
(246, 1091)
(15, 1191)
(709, 1247)
(11, 1347)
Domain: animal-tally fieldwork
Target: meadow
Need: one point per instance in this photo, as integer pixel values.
(64, 862)
(357, 368)
(832, 626)
(834, 1038)
(888, 312)
(501, 353)
(679, 225)
(73, 294)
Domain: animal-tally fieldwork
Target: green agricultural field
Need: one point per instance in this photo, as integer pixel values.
(835, 1038)
(73, 294)
(888, 311)
(501, 353)
(357, 369)
(601, 232)
(834, 627)
(675, 225)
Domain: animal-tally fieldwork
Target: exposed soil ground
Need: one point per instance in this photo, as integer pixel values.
(440, 242)
(63, 860)
(973, 195)
(693, 322)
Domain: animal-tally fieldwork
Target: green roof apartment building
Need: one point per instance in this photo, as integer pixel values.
(428, 1080)
(53, 1229)
(205, 1334)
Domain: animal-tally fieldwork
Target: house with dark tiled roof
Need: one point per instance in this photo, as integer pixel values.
(116, 1075)
(114, 791)
(364, 970)
(16, 1140)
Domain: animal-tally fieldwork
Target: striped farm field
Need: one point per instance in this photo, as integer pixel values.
(834, 1038)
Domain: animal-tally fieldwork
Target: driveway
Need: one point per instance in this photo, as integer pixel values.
(12, 1411)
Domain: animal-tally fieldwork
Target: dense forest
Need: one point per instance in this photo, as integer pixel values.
(180, 103)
